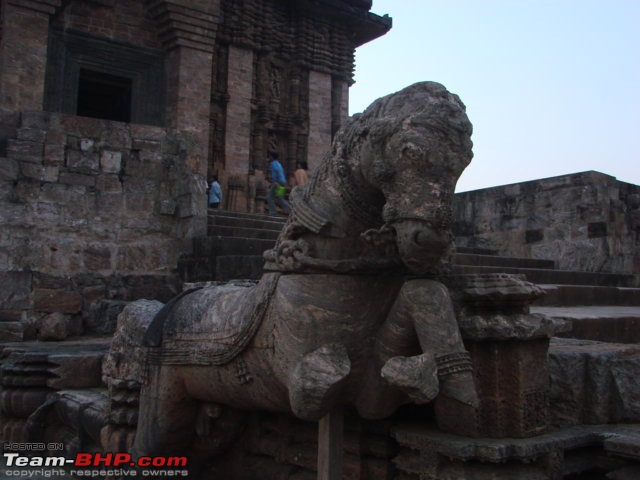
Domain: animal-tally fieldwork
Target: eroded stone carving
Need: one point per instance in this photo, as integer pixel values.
(350, 311)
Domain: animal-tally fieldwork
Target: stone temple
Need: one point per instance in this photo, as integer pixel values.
(113, 116)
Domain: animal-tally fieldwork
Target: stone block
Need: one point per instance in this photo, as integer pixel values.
(54, 154)
(36, 135)
(8, 169)
(148, 132)
(42, 173)
(50, 300)
(77, 369)
(62, 194)
(97, 258)
(145, 144)
(69, 178)
(109, 183)
(111, 161)
(25, 150)
(11, 331)
(83, 162)
(16, 290)
(168, 207)
(87, 144)
(54, 326)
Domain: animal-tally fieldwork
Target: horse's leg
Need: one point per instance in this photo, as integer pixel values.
(424, 307)
(166, 422)
(317, 380)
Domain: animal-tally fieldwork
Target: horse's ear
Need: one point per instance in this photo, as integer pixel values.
(350, 137)
(380, 130)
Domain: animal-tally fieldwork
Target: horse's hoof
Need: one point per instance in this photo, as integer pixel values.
(460, 387)
(416, 376)
(454, 416)
(317, 380)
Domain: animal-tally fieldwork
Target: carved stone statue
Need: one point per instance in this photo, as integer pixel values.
(349, 312)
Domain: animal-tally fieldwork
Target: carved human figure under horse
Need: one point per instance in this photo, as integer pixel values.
(350, 311)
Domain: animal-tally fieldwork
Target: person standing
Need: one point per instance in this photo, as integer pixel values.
(215, 193)
(300, 174)
(278, 182)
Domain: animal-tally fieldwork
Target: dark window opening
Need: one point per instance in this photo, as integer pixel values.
(101, 95)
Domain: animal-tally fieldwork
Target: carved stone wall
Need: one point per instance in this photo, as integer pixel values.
(91, 209)
(291, 91)
(95, 209)
(586, 221)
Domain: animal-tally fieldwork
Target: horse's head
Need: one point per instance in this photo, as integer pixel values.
(413, 146)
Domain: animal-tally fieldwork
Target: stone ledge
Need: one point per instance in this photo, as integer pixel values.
(454, 447)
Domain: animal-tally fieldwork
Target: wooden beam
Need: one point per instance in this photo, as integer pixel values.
(330, 445)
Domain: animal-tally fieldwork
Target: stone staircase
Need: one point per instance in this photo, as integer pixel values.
(601, 306)
(235, 242)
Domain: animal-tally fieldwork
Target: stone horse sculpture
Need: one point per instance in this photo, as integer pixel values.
(349, 311)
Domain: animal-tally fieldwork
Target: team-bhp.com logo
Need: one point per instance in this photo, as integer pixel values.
(99, 465)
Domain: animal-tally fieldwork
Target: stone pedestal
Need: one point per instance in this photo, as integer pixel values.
(508, 348)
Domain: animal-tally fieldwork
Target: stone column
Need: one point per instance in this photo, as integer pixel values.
(238, 125)
(340, 104)
(188, 30)
(23, 52)
(319, 143)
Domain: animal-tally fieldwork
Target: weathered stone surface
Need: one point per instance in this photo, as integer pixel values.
(50, 300)
(15, 289)
(8, 169)
(103, 316)
(511, 327)
(11, 331)
(111, 161)
(594, 382)
(54, 326)
(432, 454)
(80, 369)
(126, 358)
(596, 234)
(20, 403)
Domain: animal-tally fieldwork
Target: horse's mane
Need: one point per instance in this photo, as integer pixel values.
(427, 103)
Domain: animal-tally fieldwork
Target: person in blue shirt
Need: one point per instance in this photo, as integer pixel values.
(215, 193)
(278, 179)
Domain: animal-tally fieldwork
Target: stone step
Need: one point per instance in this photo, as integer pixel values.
(217, 213)
(593, 383)
(476, 250)
(571, 295)
(613, 324)
(242, 232)
(548, 276)
(472, 259)
(264, 222)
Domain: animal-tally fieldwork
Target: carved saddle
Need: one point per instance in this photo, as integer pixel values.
(210, 325)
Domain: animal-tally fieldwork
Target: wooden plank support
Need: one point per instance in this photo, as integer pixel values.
(330, 445)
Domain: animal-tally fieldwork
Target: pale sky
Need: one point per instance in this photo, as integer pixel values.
(552, 87)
